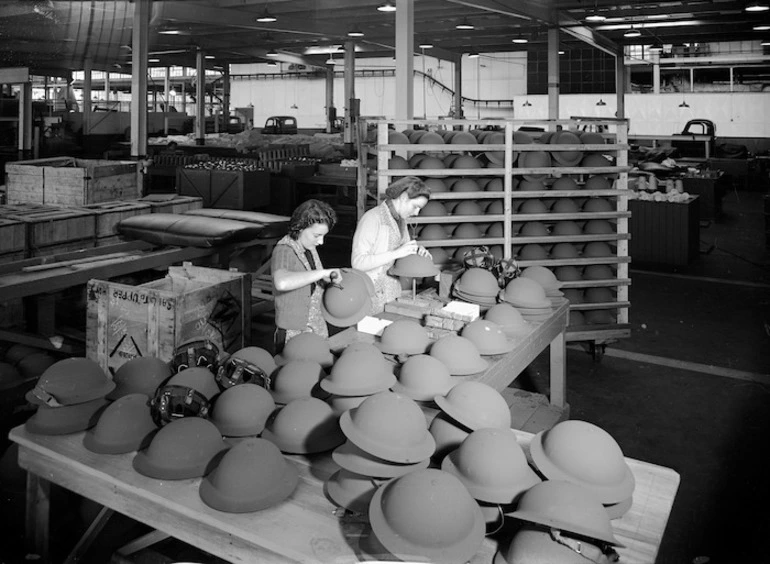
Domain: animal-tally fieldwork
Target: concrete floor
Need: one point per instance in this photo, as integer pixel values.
(689, 390)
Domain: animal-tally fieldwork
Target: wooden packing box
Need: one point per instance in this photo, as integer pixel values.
(171, 203)
(226, 189)
(53, 229)
(69, 181)
(664, 232)
(13, 236)
(109, 214)
(152, 319)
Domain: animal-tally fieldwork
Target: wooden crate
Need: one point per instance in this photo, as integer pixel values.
(72, 182)
(60, 248)
(171, 203)
(49, 226)
(125, 321)
(664, 232)
(13, 236)
(109, 214)
(225, 189)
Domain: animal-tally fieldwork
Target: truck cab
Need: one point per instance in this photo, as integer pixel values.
(286, 125)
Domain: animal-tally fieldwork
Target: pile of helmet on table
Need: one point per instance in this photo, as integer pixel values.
(430, 490)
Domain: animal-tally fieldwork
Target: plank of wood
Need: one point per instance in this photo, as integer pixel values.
(60, 264)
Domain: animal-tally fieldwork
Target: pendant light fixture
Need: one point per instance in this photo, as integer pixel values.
(601, 102)
(757, 6)
(465, 25)
(526, 104)
(267, 17)
(272, 64)
(633, 32)
(386, 7)
(684, 104)
(355, 33)
(595, 16)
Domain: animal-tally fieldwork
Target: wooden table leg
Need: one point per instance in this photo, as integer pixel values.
(37, 516)
(558, 351)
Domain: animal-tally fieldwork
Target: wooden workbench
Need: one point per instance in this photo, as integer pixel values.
(306, 527)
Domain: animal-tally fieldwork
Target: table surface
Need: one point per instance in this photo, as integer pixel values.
(306, 527)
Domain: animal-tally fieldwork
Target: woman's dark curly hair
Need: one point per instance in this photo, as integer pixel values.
(309, 213)
(413, 186)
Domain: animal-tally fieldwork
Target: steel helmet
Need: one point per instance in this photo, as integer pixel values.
(140, 375)
(351, 491)
(427, 514)
(565, 183)
(533, 251)
(415, 266)
(584, 454)
(576, 318)
(430, 138)
(466, 161)
(488, 337)
(433, 208)
(124, 426)
(534, 185)
(447, 433)
(462, 138)
(598, 227)
(467, 231)
(592, 138)
(415, 159)
(596, 160)
(242, 411)
(440, 256)
(185, 448)
(186, 394)
(340, 404)
(566, 228)
(197, 378)
(568, 273)
(306, 346)
(597, 249)
(251, 476)
(397, 138)
(17, 351)
(389, 426)
(567, 507)
(66, 419)
(348, 303)
(303, 426)
(476, 405)
(525, 292)
(433, 232)
(595, 205)
(533, 206)
(597, 182)
(617, 510)
(599, 317)
(459, 354)
(507, 317)
(496, 229)
(431, 162)
(404, 336)
(422, 377)
(565, 205)
(202, 353)
(467, 207)
(543, 276)
(564, 251)
(495, 185)
(435, 185)
(534, 229)
(574, 295)
(495, 207)
(397, 162)
(360, 346)
(565, 158)
(297, 379)
(535, 159)
(252, 365)
(492, 465)
(534, 545)
(69, 382)
(479, 282)
(359, 373)
(34, 364)
(599, 295)
(349, 457)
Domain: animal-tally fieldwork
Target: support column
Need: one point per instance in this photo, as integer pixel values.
(200, 98)
(167, 96)
(107, 88)
(331, 111)
(87, 94)
(553, 73)
(25, 119)
(139, 53)
(226, 95)
(458, 101)
(404, 59)
(351, 104)
(656, 73)
(620, 83)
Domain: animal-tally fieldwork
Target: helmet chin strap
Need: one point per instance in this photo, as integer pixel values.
(591, 552)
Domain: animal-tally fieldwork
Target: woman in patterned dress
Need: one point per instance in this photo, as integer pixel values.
(382, 236)
(299, 276)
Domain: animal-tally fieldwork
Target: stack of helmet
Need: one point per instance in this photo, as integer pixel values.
(387, 436)
(29, 362)
(347, 303)
(546, 278)
(306, 346)
(488, 337)
(509, 319)
(468, 406)
(304, 426)
(357, 374)
(563, 523)
(529, 297)
(426, 516)
(69, 396)
(588, 456)
(478, 286)
(404, 337)
(493, 466)
(423, 377)
(297, 379)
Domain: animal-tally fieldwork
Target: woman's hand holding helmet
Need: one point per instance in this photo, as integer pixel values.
(408, 248)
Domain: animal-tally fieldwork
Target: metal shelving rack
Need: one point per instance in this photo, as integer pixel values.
(616, 137)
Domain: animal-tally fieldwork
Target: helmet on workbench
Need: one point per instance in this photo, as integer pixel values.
(476, 405)
(124, 426)
(69, 382)
(66, 419)
(306, 346)
(304, 426)
(459, 354)
(297, 379)
(242, 411)
(186, 394)
(140, 375)
(252, 365)
(538, 545)
(422, 377)
(404, 336)
(198, 352)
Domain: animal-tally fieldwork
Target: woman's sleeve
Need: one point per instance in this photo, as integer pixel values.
(363, 255)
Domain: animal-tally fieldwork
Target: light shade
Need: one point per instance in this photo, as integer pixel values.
(632, 33)
(684, 104)
(465, 24)
(355, 33)
(762, 27)
(271, 53)
(757, 7)
(272, 64)
(526, 104)
(425, 45)
(595, 17)
(387, 7)
(601, 102)
(473, 55)
(330, 60)
(765, 42)
(520, 40)
(266, 17)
